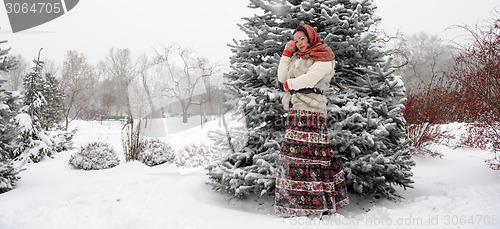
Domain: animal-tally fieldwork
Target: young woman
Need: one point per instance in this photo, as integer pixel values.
(309, 180)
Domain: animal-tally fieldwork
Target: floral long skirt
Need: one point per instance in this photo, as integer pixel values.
(309, 181)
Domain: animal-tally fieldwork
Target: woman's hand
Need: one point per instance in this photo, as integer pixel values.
(289, 47)
(285, 86)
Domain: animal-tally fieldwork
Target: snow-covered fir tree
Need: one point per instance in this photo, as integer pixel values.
(9, 131)
(9, 174)
(252, 88)
(34, 141)
(10, 103)
(52, 114)
(6, 63)
(365, 103)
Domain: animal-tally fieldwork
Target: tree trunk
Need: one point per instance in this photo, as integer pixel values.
(127, 102)
(148, 93)
(184, 112)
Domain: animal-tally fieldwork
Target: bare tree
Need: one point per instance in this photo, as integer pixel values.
(183, 73)
(105, 95)
(15, 76)
(120, 69)
(144, 66)
(50, 67)
(78, 81)
(424, 61)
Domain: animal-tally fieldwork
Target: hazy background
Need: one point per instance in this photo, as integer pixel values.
(95, 26)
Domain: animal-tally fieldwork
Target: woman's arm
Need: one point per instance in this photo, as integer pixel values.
(313, 75)
(283, 68)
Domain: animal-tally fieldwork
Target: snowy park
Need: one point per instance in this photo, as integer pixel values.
(456, 191)
(286, 114)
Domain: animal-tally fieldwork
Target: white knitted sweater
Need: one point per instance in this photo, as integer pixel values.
(305, 73)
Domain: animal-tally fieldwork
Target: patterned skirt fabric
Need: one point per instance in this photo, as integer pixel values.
(309, 179)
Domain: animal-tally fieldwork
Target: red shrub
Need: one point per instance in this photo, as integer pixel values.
(477, 74)
(436, 106)
(424, 112)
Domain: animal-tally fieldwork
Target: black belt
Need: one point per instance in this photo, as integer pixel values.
(307, 91)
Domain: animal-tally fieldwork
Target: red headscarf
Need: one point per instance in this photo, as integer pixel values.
(317, 50)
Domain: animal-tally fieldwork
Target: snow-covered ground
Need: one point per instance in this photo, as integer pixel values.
(457, 191)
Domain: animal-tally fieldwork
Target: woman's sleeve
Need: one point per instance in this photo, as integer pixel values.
(313, 75)
(283, 68)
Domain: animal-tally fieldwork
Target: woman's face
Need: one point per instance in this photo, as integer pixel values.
(301, 40)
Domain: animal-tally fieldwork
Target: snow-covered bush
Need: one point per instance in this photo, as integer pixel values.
(63, 140)
(95, 156)
(9, 175)
(194, 155)
(484, 136)
(154, 152)
(494, 163)
(423, 136)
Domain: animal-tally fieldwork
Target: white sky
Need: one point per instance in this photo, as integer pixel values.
(95, 26)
